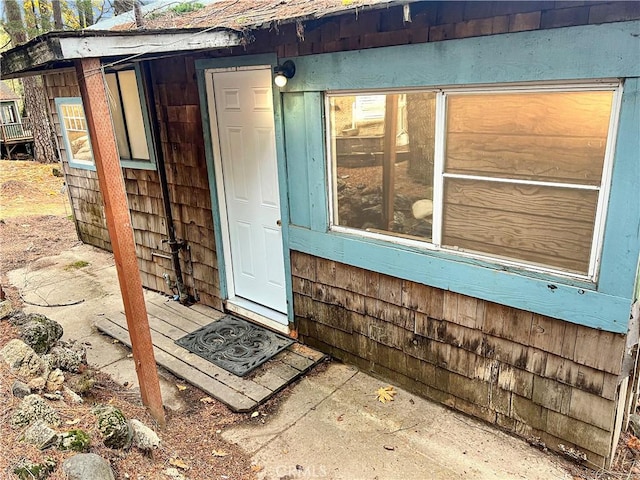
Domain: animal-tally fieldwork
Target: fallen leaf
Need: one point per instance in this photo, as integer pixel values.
(114, 341)
(386, 394)
(389, 447)
(207, 400)
(256, 468)
(340, 417)
(255, 414)
(72, 422)
(176, 462)
(219, 453)
(130, 355)
(181, 388)
(633, 443)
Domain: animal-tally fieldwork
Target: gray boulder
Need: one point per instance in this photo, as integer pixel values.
(114, 427)
(634, 424)
(87, 466)
(67, 356)
(143, 437)
(20, 389)
(32, 408)
(40, 332)
(41, 435)
(71, 396)
(22, 359)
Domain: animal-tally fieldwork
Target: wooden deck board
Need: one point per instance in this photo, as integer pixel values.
(169, 321)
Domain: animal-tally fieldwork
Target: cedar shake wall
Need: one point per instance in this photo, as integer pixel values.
(86, 199)
(547, 380)
(430, 22)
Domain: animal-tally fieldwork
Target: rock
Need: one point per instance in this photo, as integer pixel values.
(72, 396)
(113, 426)
(55, 381)
(5, 309)
(20, 389)
(174, 474)
(67, 356)
(634, 424)
(40, 332)
(26, 470)
(41, 435)
(32, 408)
(76, 440)
(84, 382)
(143, 437)
(56, 397)
(37, 383)
(87, 466)
(422, 209)
(22, 359)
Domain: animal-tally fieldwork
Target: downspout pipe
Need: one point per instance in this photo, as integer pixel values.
(175, 245)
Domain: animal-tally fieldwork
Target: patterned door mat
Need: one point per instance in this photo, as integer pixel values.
(234, 344)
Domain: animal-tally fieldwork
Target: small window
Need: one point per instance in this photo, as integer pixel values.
(517, 175)
(130, 118)
(73, 128)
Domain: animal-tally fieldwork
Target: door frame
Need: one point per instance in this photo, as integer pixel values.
(216, 186)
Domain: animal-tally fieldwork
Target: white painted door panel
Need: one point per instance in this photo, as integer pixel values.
(244, 112)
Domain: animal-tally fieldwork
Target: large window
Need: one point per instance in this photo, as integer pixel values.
(514, 174)
(130, 121)
(73, 128)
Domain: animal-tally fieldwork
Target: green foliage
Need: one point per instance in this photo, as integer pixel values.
(76, 265)
(38, 471)
(76, 440)
(186, 7)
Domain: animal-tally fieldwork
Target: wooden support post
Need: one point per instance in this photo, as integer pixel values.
(107, 160)
(389, 159)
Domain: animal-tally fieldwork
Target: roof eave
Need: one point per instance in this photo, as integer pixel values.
(55, 51)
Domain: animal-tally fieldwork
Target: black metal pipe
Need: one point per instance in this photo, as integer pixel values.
(174, 245)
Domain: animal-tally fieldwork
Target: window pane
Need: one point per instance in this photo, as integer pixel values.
(545, 136)
(116, 113)
(372, 192)
(537, 224)
(133, 115)
(74, 128)
(553, 137)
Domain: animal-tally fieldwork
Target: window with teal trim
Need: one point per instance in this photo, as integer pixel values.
(73, 128)
(519, 175)
(130, 118)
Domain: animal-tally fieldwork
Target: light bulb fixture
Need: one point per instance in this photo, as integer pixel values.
(284, 72)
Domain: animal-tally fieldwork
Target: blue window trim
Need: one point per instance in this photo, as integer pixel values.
(142, 164)
(84, 164)
(564, 54)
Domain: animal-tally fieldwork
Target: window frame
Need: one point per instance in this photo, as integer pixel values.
(435, 245)
(140, 164)
(73, 162)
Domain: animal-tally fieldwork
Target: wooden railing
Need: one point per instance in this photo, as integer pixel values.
(12, 132)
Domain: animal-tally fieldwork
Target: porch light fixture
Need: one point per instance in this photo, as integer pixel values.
(283, 73)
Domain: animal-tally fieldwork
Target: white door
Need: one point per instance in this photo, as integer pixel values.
(243, 111)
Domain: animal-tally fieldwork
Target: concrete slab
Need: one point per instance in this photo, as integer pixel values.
(348, 434)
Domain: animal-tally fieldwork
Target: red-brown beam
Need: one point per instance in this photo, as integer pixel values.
(107, 160)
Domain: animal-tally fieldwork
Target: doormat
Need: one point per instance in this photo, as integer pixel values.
(234, 344)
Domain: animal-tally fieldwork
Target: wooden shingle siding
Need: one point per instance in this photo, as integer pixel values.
(86, 199)
(534, 375)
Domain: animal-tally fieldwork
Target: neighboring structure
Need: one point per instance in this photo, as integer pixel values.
(444, 193)
(15, 131)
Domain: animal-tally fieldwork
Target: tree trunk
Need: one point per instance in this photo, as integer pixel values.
(35, 100)
(36, 105)
(420, 128)
(57, 15)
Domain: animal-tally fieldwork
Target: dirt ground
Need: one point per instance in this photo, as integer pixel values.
(35, 222)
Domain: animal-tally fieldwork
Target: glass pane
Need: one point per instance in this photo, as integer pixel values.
(116, 113)
(547, 136)
(133, 115)
(390, 194)
(74, 128)
(535, 224)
